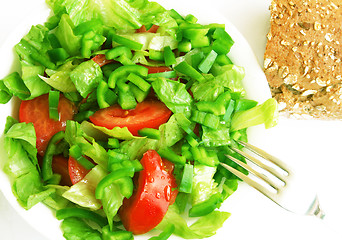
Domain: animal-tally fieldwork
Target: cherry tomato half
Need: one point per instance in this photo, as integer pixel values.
(149, 203)
(147, 114)
(76, 171)
(36, 111)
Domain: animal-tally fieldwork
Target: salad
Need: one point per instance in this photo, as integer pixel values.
(126, 111)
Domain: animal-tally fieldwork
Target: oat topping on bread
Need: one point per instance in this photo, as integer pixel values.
(303, 57)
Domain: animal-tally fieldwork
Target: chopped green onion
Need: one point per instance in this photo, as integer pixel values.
(118, 51)
(207, 62)
(229, 110)
(84, 115)
(200, 42)
(195, 33)
(206, 157)
(190, 18)
(139, 82)
(76, 152)
(139, 95)
(110, 178)
(124, 71)
(244, 104)
(126, 100)
(150, 133)
(53, 105)
(113, 143)
(188, 70)
(47, 172)
(168, 74)
(184, 46)
(105, 96)
(169, 56)
(171, 156)
(156, 55)
(81, 213)
(186, 181)
(127, 42)
(206, 119)
(223, 59)
(116, 234)
(206, 207)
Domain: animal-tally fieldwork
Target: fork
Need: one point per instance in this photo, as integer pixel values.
(274, 179)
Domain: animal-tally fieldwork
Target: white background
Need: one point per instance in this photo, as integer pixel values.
(312, 147)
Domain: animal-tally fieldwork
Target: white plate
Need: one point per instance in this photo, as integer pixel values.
(253, 216)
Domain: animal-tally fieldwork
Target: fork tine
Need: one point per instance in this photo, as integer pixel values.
(265, 155)
(260, 164)
(257, 174)
(251, 182)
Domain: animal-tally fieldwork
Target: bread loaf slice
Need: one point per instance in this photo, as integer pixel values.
(302, 61)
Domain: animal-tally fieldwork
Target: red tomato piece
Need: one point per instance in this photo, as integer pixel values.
(157, 69)
(147, 114)
(149, 203)
(36, 111)
(101, 60)
(76, 171)
(143, 29)
(60, 166)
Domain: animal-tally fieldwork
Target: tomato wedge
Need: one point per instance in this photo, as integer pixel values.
(147, 114)
(36, 111)
(60, 166)
(149, 203)
(76, 171)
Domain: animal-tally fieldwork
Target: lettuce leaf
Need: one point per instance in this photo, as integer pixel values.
(266, 113)
(204, 184)
(21, 166)
(230, 76)
(83, 192)
(204, 227)
(174, 95)
(60, 80)
(30, 76)
(120, 14)
(66, 37)
(76, 229)
(112, 201)
(207, 90)
(86, 77)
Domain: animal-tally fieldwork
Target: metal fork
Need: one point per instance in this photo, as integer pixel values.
(275, 180)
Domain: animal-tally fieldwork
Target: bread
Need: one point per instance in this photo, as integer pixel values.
(302, 61)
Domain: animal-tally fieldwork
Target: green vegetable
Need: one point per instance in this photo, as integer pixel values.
(75, 228)
(174, 95)
(198, 230)
(49, 153)
(187, 179)
(53, 105)
(266, 113)
(66, 37)
(81, 213)
(86, 77)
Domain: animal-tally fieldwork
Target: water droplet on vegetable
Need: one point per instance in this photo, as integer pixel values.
(167, 192)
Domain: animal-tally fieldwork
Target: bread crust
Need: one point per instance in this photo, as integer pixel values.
(302, 61)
